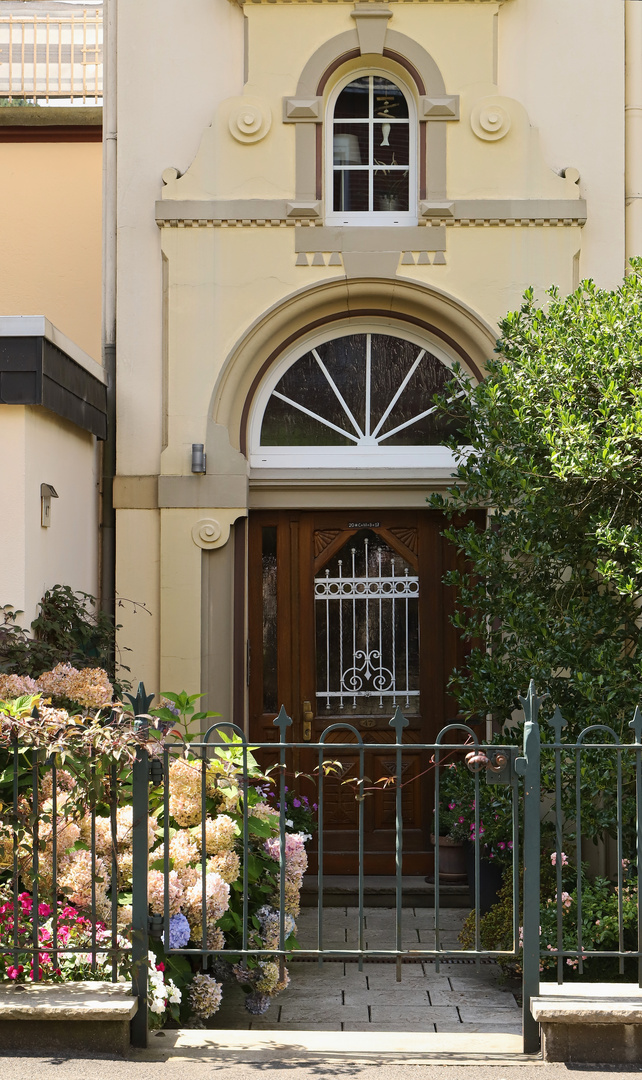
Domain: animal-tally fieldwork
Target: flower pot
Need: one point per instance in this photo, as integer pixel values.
(490, 878)
(452, 863)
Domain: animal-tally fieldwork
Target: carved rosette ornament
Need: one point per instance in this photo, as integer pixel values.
(491, 119)
(249, 119)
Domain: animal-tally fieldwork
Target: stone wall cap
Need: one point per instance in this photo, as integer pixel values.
(67, 1001)
(588, 1003)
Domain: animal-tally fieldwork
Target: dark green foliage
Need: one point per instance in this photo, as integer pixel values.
(69, 628)
(552, 586)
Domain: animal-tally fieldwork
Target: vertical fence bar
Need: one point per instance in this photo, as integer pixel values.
(35, 959)
(166, 853)
(558, 847)
(398, 722)
(361, 852)
(246, 869)
(436, 863)
(15, 875)
(54, 857)
(92, 845)
(140, 923)
(113, 828)
(282, 723)
(620, 868)
(636, 725)
(578, 854)
(320, 858)
(204, 956)
(530, 769)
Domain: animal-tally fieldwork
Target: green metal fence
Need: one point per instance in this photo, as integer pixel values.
(493, 764)
(556, 792)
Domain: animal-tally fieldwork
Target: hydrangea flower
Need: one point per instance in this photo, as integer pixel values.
(205, 996)
(179, 932)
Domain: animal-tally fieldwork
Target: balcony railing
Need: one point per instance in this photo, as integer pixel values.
(50, 58)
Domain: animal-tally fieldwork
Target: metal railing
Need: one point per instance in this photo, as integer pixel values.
(48, 917)
(576, 789)
(555, 794)
(52, 57)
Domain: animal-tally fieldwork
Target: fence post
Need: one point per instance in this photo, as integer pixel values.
(529, 767)
(140, 921)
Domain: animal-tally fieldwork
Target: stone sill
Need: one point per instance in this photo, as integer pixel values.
(86, 1001)
(588, 1003)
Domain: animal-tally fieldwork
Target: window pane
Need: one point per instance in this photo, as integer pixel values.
(345, 359)
(391, 190)
(285, 425)
(270, 687)
(391, 144)
(350, 144)
(388, 99)
(429, 378)
(351, 190)
(337, 396)
(354, 100)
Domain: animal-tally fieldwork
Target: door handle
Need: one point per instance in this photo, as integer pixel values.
(308, 717)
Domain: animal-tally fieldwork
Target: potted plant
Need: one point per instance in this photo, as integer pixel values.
(457, 821)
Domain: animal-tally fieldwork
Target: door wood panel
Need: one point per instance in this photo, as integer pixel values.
(306, 545)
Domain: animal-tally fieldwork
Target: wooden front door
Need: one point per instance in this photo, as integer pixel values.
(348, 618)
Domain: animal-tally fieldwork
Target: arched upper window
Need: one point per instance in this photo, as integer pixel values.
(362, 398)
(371, 153)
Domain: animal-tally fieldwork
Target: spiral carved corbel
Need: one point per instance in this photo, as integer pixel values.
(208, 533)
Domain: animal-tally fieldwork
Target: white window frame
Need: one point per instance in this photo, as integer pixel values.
(372, 217)
(372, 456)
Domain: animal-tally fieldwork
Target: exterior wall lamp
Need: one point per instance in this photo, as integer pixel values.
(199, 457)
(47, 493)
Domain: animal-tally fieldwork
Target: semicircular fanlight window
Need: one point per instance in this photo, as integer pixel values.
(359, 390)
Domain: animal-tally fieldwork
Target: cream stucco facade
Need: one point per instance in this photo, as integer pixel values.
(226, 260)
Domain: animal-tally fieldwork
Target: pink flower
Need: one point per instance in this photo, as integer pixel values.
(461, 820)
(452, 805)
(501, 845)
(13, 972)
(563, 856)
(160, 967)
(44, 910)
(510, 845)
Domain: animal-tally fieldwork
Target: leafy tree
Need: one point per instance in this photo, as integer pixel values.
(551, 589)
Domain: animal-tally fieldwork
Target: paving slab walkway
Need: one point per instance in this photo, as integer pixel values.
(463, 997)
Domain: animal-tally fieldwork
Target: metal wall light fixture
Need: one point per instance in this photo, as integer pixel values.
(199, 457)
(47, 493)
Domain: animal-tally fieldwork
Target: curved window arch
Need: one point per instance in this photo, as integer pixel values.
(361, 398)
(371, 151)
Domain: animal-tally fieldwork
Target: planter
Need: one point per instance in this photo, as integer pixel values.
(490, 878)
(452, 861)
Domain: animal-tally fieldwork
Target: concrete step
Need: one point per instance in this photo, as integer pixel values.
(340, 1048)
(342, 890)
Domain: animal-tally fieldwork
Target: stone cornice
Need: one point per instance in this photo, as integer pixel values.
(239, 213)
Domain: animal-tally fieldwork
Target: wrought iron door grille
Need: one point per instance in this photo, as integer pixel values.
(367, 631)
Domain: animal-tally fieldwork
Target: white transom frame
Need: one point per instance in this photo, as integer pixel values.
(417, 457)
(372, 217)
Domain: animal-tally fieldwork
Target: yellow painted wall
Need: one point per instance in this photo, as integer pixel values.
(50, 239)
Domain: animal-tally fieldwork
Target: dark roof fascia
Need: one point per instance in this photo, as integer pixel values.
(34, 371)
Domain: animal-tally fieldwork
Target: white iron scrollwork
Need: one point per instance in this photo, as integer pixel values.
(369, 640)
